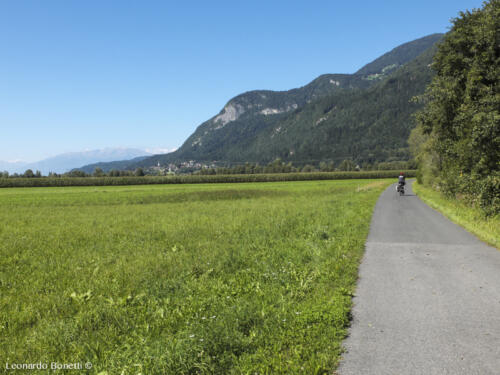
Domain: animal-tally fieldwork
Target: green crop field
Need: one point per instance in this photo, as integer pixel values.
(196, 179)
(182, 279)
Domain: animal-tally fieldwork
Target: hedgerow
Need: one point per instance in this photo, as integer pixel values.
(194, 179)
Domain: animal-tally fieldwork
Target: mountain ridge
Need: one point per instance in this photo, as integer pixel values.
(238, 131)
(65, 162)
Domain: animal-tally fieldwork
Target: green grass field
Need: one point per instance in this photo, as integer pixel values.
(182, 279)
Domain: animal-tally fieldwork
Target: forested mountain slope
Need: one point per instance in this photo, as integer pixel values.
(366, 125)
(364, 116)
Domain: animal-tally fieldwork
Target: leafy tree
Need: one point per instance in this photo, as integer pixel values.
(75, 173)
(139, 172)
(308, 168)
(347, 165)
(457, 142)
(98, 172)
(28, 173)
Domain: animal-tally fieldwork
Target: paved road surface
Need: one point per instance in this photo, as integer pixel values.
(428, 297)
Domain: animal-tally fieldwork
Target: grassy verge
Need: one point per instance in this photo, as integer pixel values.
(487, 229)
(226, 279)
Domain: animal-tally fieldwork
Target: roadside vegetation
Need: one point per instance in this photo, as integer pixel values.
(487, 228)
(104, 180)
(457, 140)
(236, 278)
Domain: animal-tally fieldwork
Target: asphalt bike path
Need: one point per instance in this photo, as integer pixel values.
(428, 296)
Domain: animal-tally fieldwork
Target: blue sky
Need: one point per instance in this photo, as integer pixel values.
(78, 75)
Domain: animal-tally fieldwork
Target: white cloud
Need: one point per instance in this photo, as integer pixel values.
(160, 150)
(16, 161)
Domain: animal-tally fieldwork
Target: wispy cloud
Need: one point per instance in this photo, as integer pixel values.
(16, 161)
(160, 150)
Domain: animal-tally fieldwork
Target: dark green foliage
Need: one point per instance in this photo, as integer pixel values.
(76, 173)
(277, 166)
(195, 179)
(117, 173)
(458, 139)
(369, 125)
(400, 55)
(98, 172)
(347, 165)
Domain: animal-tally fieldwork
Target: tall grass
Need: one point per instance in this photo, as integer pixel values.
(210, 279)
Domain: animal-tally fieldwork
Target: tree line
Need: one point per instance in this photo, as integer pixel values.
(279, 166)
(194, 179)
(457, 139)
(98, 172)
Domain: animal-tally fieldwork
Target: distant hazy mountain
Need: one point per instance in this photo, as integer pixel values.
(333, 117)
(118, 165)
(71, 160)
(12, 166)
